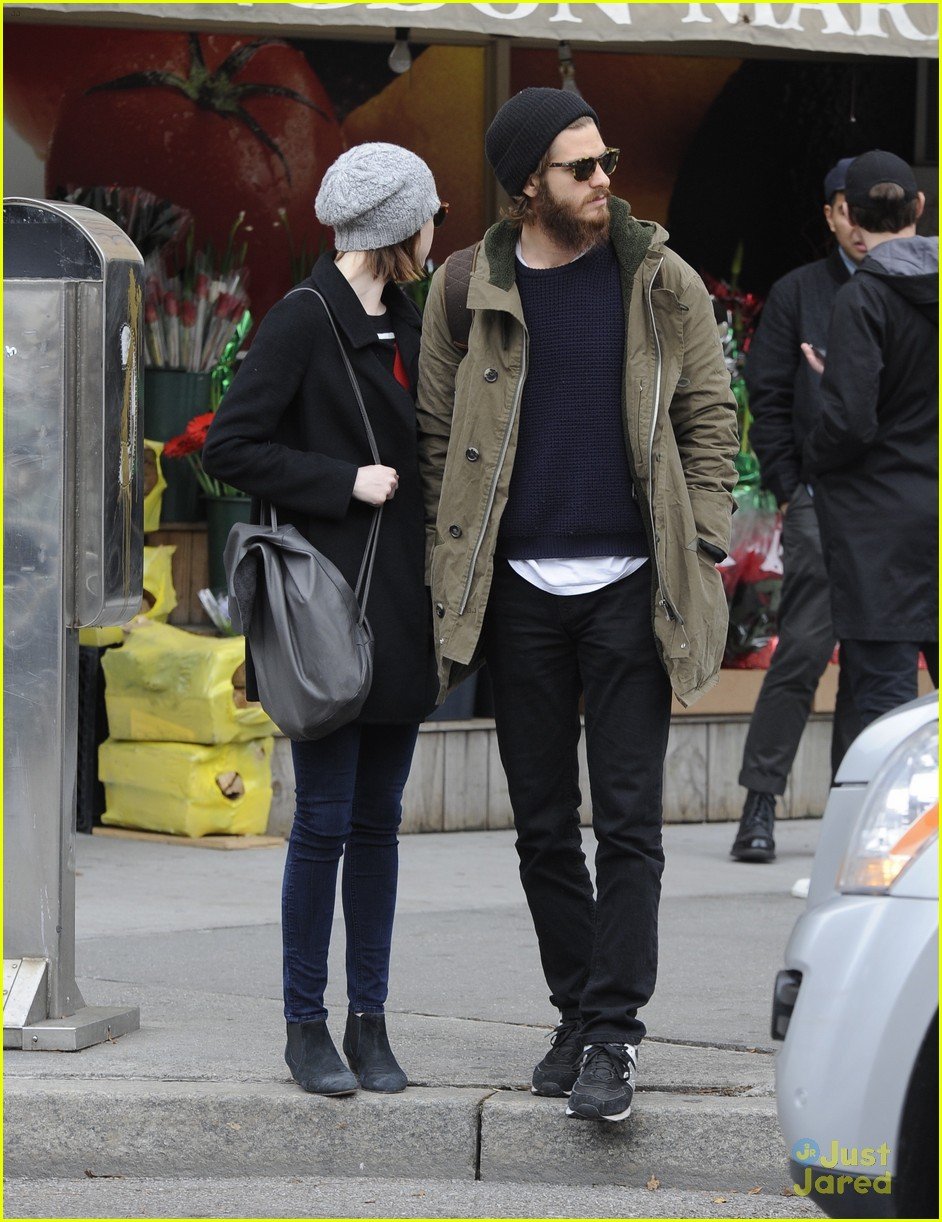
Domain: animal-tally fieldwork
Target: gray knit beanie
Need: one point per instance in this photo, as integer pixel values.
(524, 128)
(376, 195)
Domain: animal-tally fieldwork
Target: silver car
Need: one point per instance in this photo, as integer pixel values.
(857, 1004)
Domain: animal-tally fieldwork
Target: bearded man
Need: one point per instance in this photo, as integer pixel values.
(578, 470)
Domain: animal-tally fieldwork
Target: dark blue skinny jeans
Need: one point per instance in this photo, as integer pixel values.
(349, 804)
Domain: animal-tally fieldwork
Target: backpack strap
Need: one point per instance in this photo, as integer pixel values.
(365, 576)
(457, 278)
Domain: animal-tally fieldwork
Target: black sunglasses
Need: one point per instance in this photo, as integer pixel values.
(583, 169)
(439, 217)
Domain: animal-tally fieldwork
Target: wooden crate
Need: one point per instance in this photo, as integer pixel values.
(190, 567)
(193, 842)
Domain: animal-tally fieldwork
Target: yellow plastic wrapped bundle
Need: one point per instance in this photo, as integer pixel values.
(154, 484)
(167, 685)
(160, 596)
(186, 789)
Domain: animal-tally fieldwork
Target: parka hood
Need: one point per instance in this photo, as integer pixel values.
(910, 266)
(631, 238)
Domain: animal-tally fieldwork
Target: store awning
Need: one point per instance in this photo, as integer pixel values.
(905, 30)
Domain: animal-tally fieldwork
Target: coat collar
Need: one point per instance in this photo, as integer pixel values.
(631, 239)
(353, 322)
(836, 266)
(358, 330)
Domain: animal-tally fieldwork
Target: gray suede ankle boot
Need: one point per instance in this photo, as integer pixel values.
(366, 1047)
(314, 1062)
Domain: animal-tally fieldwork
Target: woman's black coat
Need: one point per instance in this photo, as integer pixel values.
(289, 431)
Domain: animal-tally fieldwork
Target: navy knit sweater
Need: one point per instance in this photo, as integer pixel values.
(571, 492)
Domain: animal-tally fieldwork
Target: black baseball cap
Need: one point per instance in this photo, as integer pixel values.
(835, 178)
(874, 167)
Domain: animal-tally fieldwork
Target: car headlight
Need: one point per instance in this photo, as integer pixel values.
(899, 818)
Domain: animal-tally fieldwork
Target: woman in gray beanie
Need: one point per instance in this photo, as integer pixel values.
(290, 432)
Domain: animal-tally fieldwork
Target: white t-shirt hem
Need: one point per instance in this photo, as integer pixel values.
(580, 575)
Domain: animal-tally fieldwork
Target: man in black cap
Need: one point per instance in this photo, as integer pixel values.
(785, 399)
(873, 455)
(578, 464)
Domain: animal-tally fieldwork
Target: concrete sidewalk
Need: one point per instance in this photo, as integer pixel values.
(192, 937)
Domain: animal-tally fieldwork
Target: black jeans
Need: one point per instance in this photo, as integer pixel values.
(349, 803)
(805, 645)
(883, 674)
(599, 953)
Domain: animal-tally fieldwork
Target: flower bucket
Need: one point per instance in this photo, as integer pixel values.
(222, 513)
(172, 397)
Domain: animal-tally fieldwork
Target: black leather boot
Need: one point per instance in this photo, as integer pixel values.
(314, 1062)
(754, 840)
(366, 1047)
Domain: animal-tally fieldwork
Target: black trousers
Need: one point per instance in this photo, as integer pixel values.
(599, 953)
(883, 674)
(805, 645)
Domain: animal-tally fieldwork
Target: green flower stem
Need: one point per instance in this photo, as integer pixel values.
(209, 485)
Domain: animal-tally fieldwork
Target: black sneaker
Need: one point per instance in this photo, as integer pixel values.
(754, 840)
(559, 1069)
(606, 1084)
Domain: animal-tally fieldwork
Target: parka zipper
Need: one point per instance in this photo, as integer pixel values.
(500, 465)
(671, 613)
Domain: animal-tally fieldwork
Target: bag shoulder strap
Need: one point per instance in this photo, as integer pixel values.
(303, 288)
(457, 279)
(365, 576)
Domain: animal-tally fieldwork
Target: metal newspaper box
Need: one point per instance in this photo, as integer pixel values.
(73, 558)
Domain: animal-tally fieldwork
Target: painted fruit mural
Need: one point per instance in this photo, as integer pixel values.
(223, 124)
(438, 107)
(218, 124)
(649, 106)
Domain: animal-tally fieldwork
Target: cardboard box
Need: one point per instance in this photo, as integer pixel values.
(827, 689)
(738, 691)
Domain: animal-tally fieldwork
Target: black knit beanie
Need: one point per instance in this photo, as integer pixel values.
(524, 128)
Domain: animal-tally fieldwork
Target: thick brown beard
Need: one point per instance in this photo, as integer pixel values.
(565, 225)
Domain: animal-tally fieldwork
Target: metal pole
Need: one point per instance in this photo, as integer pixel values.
(921, 136)
(496, 93)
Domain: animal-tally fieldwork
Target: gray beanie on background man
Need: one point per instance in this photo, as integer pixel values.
(376, 195)
(524, 128)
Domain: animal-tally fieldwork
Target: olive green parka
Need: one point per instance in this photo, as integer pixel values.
(680, 432)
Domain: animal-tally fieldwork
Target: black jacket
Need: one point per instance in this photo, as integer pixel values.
(289, 431)
(784, 391)
(873, 455)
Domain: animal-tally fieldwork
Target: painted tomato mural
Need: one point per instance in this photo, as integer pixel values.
(215, 123)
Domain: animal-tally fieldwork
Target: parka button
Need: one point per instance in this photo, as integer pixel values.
(471, 454)
(440, 610)
(455, 532)
(490, 375)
